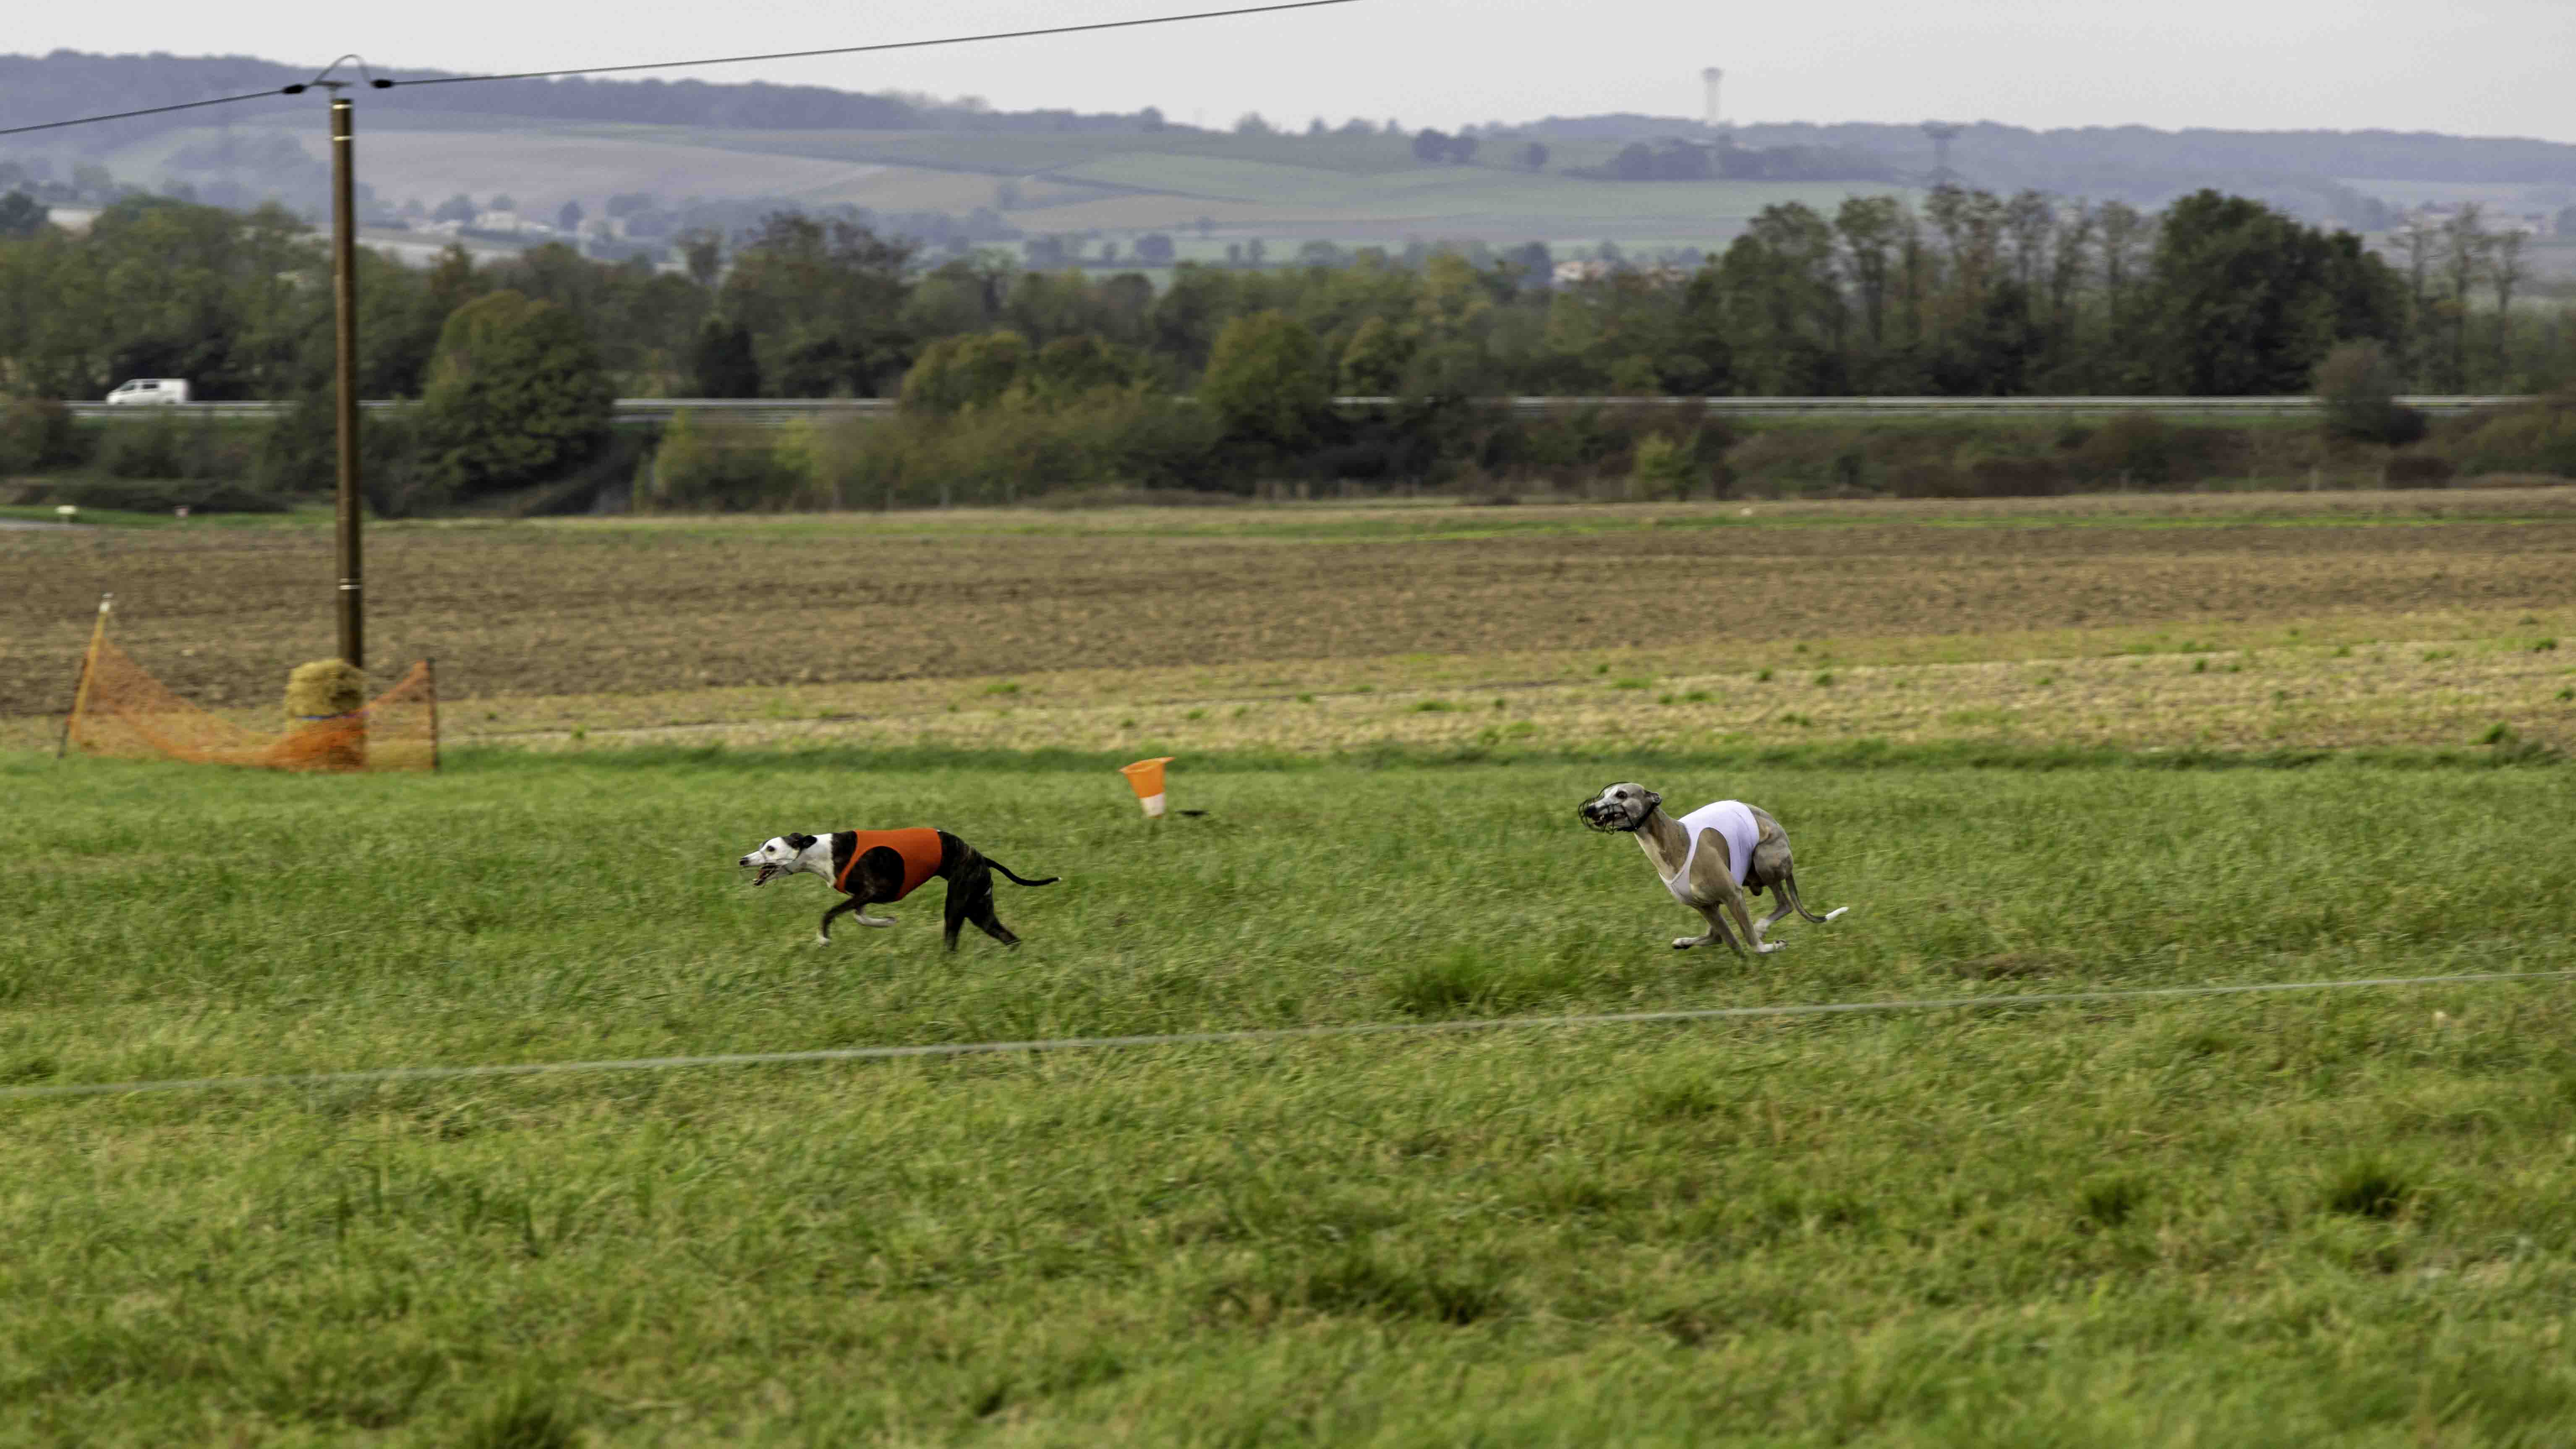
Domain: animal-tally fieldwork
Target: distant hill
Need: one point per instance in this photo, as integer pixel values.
(959, 172)
(2393, 155)
(66, 83)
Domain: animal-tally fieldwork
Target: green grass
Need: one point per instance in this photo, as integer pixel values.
(2230, 1220)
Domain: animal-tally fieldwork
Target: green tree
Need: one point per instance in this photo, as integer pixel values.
(721, 361)
(157, 288)
(1191, 311)
(1868, 228)
(1373, 362)
(1787, 311)
(21, 214)
(2467, 247)
(1070, 369)
(957, 373)
(2250, 301)
(1266, 382)
(824, 301)
(516, 392)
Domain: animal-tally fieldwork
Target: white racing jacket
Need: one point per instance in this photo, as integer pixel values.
(1732, 820)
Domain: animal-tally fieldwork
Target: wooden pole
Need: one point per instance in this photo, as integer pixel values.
(89, 662)
(344, 298)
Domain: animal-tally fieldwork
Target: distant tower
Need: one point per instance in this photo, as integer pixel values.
(1942, 134)
(1709, 79)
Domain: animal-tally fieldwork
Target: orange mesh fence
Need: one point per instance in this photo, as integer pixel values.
(123, 710)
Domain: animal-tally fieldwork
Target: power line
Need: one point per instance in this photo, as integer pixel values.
(448, 80)
(379, 1075)
(153, 110)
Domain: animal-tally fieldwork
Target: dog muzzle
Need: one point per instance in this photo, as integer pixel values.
(1609, 822)
(767, 869)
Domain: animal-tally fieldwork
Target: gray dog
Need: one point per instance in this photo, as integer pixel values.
(1709, 859)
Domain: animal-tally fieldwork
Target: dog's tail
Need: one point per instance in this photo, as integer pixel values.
(1015, 875)
(1789, 885)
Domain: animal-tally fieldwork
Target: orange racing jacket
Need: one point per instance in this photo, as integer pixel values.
(920, 849)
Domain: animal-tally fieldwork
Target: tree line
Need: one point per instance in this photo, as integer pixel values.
(1969, 293)
(1023, 378)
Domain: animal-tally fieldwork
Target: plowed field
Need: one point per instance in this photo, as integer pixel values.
(628, 608)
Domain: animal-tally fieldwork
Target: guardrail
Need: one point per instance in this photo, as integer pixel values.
(776, 412)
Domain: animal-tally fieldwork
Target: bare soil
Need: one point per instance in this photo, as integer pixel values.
(1287, 600)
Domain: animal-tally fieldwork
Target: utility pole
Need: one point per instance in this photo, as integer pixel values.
(344, 300)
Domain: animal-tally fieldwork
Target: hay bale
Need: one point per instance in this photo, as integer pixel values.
(324, 730)
(324, 687)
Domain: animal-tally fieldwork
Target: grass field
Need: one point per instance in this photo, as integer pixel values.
(2287, 1218)
(2036, 747)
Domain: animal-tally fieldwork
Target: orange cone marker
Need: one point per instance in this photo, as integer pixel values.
(1145, 777)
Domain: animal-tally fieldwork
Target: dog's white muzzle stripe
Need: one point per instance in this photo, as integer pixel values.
(1275, 1033)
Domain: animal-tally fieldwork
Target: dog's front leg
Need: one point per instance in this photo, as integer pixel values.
(1717, 932)
(823, 928)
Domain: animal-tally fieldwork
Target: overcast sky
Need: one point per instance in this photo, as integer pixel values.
(2474, 67)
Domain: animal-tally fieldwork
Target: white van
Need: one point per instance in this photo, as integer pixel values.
(149, 390)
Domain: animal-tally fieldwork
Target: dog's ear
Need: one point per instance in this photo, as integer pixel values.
(1654, 802)
(799, 842)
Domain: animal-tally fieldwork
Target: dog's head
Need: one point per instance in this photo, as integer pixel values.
(1624, 806)
(777, 855)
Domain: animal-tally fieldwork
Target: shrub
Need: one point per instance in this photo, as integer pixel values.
(718, 467)
(2357, 383)
(1662, 468)
(1928, 480)
(165, 446)
(2131, 448)
(2141, 449)
(2416, 470)
(299, 455)
(2538, 437)
(160, 495)
(37, 434)
(2018, 477)
(1787, 460)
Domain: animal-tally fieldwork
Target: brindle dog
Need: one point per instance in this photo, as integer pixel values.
(1710, 885)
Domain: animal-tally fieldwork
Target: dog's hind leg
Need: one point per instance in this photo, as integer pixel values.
(970, 898)
(1752, 932)
(981, 913)
(1778, 914)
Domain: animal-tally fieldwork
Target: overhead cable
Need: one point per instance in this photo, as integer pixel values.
(448, 80)
(152, 111)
